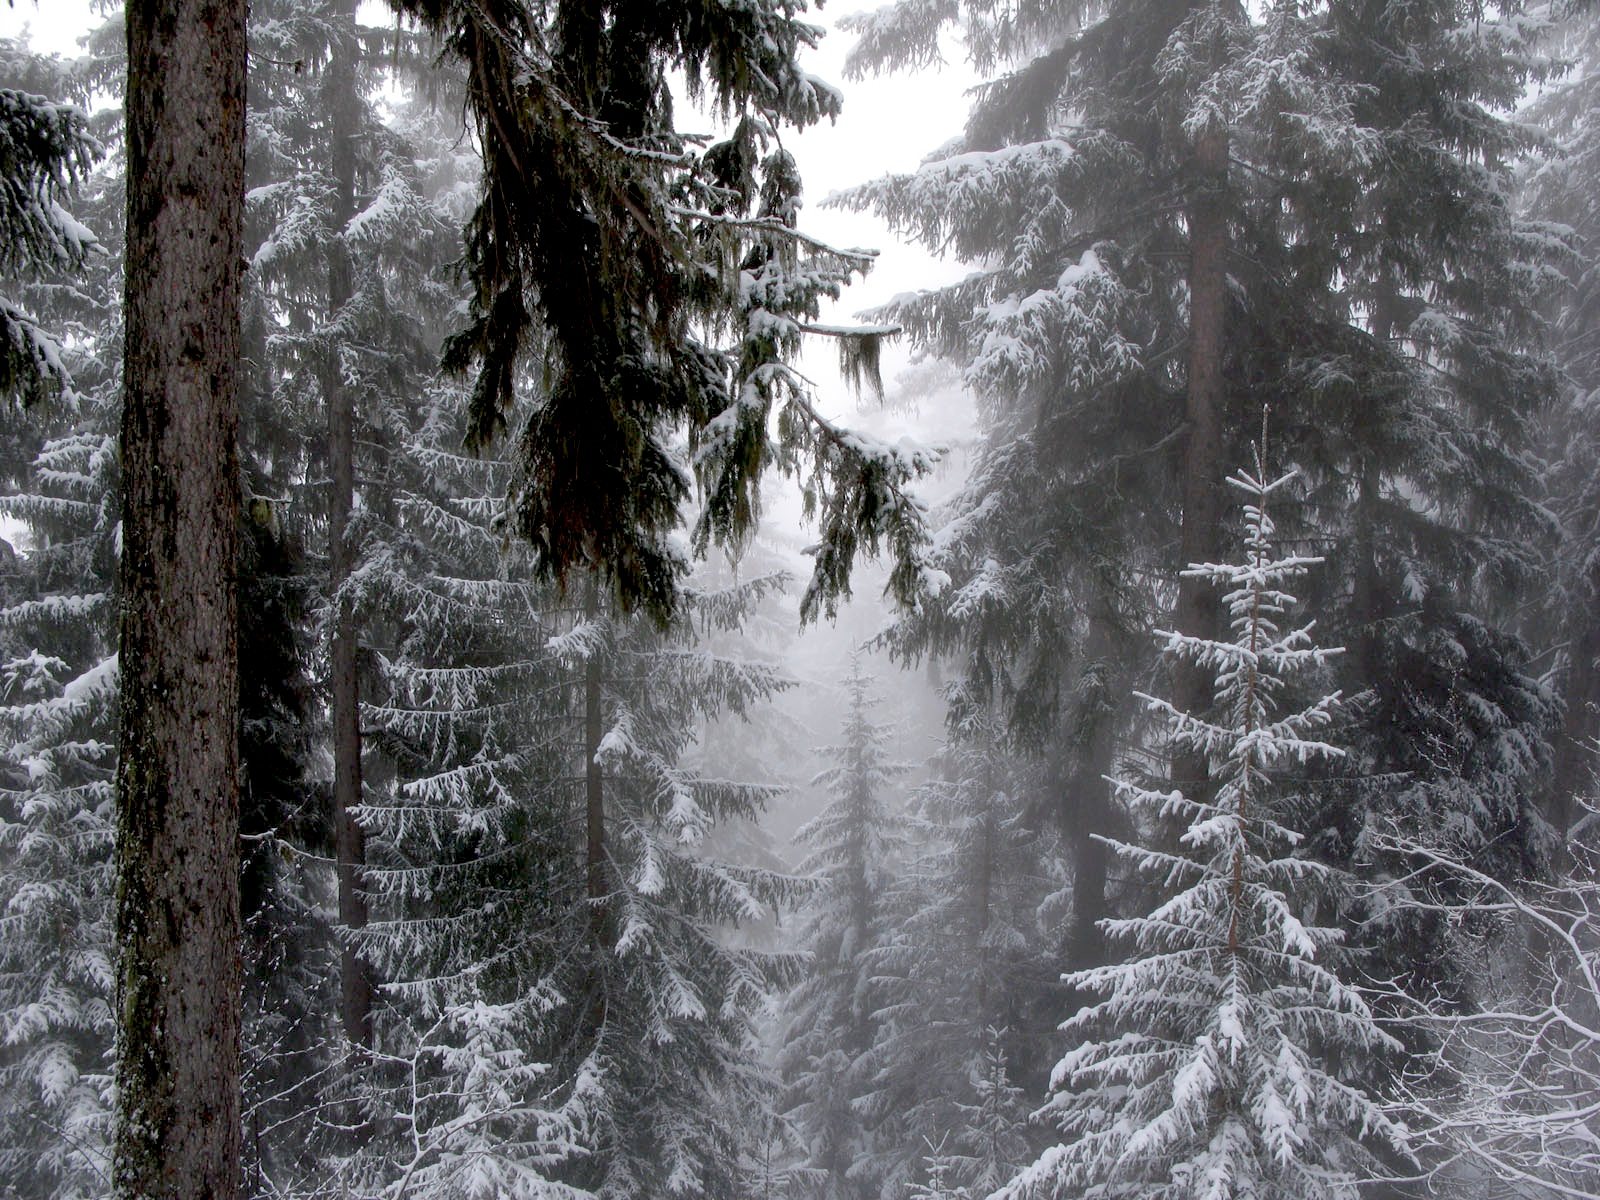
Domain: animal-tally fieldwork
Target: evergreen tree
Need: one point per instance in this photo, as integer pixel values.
(468, 753)
(59, 709)
(966, 968)
(638, 254)
(1092, 334)
(57, 816)
(832, 1016)
(1223, 1057)
(667, 1000)
(559, 884)
(1380, 288)
(1559, 189)
(46, 150)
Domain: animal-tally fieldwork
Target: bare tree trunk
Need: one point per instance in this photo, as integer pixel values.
(177, 854)
(355, 981)
(1197, 609)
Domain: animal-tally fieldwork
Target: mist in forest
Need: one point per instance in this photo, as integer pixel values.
(736, 600)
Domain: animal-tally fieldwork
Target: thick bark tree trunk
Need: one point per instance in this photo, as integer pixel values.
(355, 980)
(177, 853)
(1197, 609)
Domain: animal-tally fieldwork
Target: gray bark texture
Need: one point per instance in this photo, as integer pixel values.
(1198, 613)
(177, 853)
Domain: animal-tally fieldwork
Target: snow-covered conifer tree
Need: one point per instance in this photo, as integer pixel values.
(58, 679)
(968, 955)
(665, 277)
(1220, 1060)
(664, 999)
(832, 1016)
(58, 728)
(48, 150)
(1559, 189)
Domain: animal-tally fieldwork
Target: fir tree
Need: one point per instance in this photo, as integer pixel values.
(1379, 282)
(46, 150)
(57, 819)
(663, 288)
(1558, 189)
(967, 965)
(666, 999)
(832, 1016)
(59, 708)
(1222, 1058)
(1092, 333)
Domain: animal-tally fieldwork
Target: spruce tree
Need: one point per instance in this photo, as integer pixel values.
(1558, 188)
(1380, 288)
(1223, 1058)
(662, 288)
(1101, 339)
(967, 963)
(57, 816)
(832, 1017)
(667, 998)
(46, 150)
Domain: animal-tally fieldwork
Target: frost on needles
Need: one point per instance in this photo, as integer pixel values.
(1221, 1059)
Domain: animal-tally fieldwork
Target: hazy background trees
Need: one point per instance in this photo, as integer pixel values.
(545, 889)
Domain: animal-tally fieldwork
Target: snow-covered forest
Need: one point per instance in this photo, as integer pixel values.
(516, 683)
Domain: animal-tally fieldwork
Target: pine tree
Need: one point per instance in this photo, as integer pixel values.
(1558, 189)
(1093, 333)
(667, 999)
(1424, 383)
(1222, 1057)
(1379, 283)
(59, 711)
(347, 251)
(466, 714)
(832, 1017)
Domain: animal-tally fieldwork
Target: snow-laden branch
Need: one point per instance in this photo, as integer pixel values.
(1513, 1092)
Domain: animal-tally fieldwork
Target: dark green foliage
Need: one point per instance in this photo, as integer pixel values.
(659, 287)
(46, 151)
(283, 823)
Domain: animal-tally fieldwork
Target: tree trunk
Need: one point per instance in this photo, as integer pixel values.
(594, 793)
(1575, 756)
(177, 854)
(1087, 809)
(1367, 600)
(355, 981)
(1197, 609)
(984, 899)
